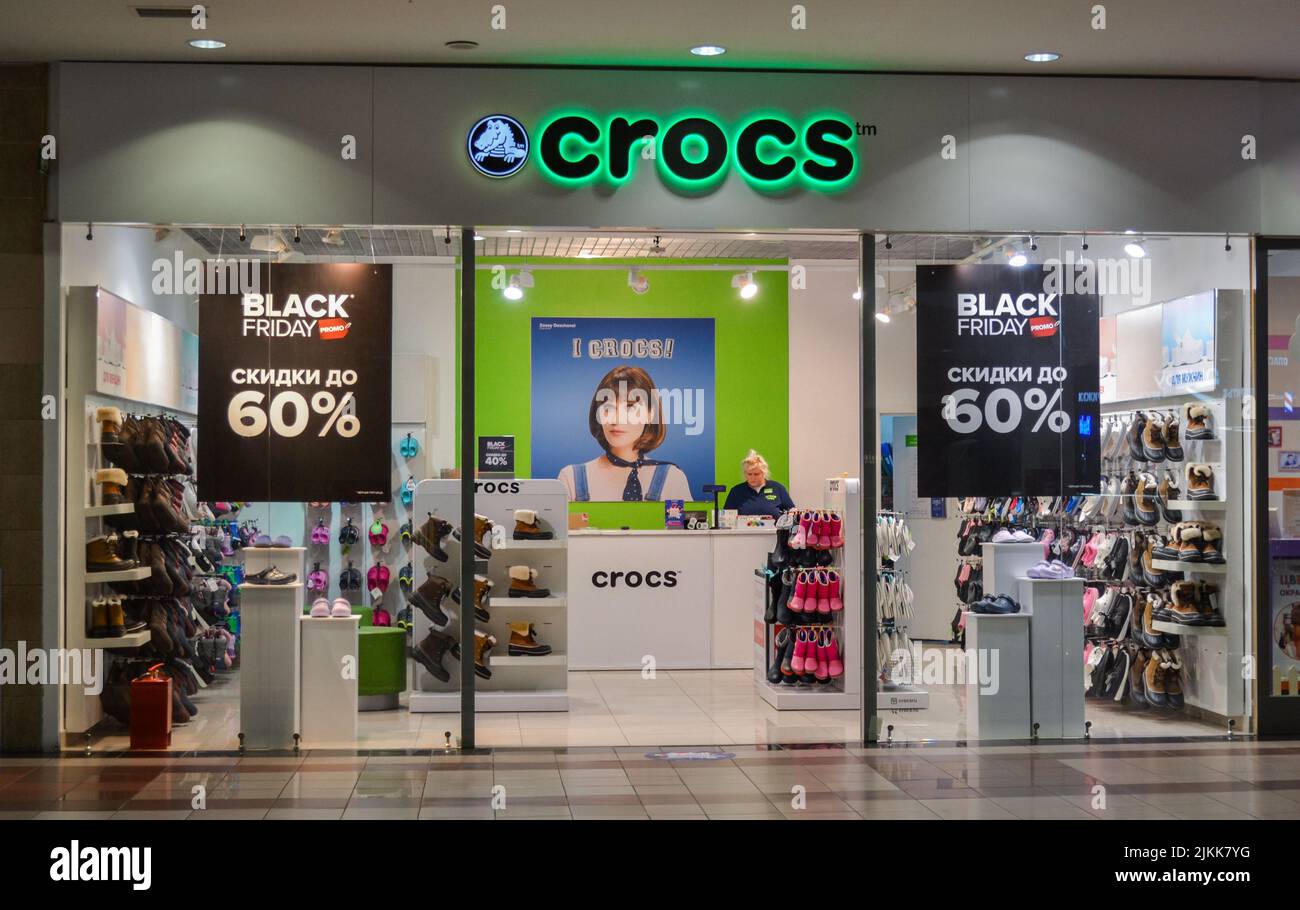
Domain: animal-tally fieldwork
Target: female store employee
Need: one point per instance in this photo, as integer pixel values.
(758, 495)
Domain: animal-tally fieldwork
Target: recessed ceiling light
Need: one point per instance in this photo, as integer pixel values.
(708, 50)
(207, 44)
(462, 45)
(1042, 57)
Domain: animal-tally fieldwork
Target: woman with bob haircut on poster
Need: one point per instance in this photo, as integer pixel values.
(624, 418)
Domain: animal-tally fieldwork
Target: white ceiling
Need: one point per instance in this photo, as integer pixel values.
(1143, 37)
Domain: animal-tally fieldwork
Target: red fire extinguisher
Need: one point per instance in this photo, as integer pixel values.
(151, 710)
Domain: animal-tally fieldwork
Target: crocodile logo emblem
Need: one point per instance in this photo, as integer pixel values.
(497, 145)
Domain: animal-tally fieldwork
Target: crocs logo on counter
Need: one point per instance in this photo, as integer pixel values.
(652, 579)
(497, 487)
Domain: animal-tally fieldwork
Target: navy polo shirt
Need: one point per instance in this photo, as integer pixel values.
(770, 499)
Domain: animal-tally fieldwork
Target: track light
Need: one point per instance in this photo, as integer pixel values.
(1015, 258)
(90, 231)
(333, 237)
(242, 235)
(1135, 249)
(1085, 241)
(637, 281)
(857, 295)
(1033, 244)
(1227, 244)
(518, 281)
(889, 244)
(883, 316)
(268, 243)
(745, 282)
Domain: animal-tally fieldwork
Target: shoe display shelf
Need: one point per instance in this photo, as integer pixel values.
(83, 513)
(896, 676)
(329, 697)
(842, 495)
(270, 661)
(1211, 656)
(1056, 643)
(517, 682)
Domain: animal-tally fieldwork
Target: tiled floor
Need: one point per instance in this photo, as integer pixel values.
(616, 708)
(1172, 780)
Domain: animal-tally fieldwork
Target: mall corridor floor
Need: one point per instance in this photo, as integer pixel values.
(1174, 779)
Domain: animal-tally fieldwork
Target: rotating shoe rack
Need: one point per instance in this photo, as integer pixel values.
(531, 683)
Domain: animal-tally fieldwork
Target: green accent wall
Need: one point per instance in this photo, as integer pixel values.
(751, 360)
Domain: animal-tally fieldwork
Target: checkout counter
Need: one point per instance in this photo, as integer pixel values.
(684, 598)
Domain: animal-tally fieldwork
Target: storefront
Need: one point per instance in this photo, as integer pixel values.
(724, 240)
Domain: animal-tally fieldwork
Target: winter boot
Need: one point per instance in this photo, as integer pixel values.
(1199, 421)
(482, 525)
(128, 545)
(431, 534)
(481, 588)
(522, 580)
(1173, 445)
(1134, 437)
(1189, 547)
(112, 483)
(1136, 684)
(102, 556)
(524, 643)
(483, 645)
(1169, 491)
(527, 526)
(116, 618)
(429, 654)
(99, 618)
(1210, 550)
(1200, 482)
(428, 597)
(1207, 601)
(110, 424)
(1153, 440)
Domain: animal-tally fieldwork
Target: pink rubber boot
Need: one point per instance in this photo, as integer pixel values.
(835, 527)
(833, 658)
(836, 592)
(800, 594)
(816, 529)
(823, 593)
(800, 652)
(823, 658)
(799, 540)
(810, 664)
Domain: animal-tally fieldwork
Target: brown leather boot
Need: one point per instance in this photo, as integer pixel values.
(483, 645)
(123, 455)
(101, 555)
(116, 618)
(428, 597)
(110, 422)
(481, 588)
(1173, 445)
(528, 527)
(524, 643)
(482, 526)
(1207, 602)
(1183, 608)
(112, 486)
(1137, 680)
(1144, 501)
(1211, 537)
(430, 536)
(99, 618)
(1189, 547)
(1155, 682)
(429, 652)
(1153, 440)
(523, 583)
(1173, 679)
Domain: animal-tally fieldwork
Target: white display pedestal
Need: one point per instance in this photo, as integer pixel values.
(1003, 710)
(286, 559)
(1006, 563)
(329, 694)
(269, 665)
(1055, 655)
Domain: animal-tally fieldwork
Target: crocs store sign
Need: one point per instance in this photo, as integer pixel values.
(692, 153)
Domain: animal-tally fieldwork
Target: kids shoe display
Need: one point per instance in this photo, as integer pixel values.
(1173, 679)
(317, 580)
(112, 483)
(835, 529)
(835, 592)
(1167, 548)
(835, 666)
(780, 649)
(1127, 495)
(822, 585)
(1153, 440)
(1199, 420)
(320, 535)
(341, 608)
(1207, 601)
(320, 608)
(482, 526)
(789, 581)
(1173, 445)
(406, 578)
(428, 598)
(430, 536)
(800, 651)
(1182, 606)
(99, 618)
(523, 583)
(1144, 500)
(529, 527)
(1137, 681)
(271, 576)
(1200, 482)
(349, 534)
(800, 594)
(524, 643)
(378, 532)
(378, 577)
(430, 651)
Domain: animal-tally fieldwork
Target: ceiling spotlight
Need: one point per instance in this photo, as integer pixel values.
(1135, 249)
(889, 244)
(1042, 56)
(297, 233)
(242, 234)
(268, 243)
(1033, 244)
(513, 291)
(1227, 243)
(637, 281)
(708, 50)
(207, 44)
(1015, 258)
(857, 295)
(882, 316)
(333, 237)
(745, 282)
(1085, 241)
